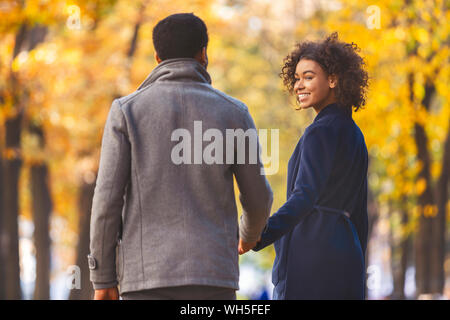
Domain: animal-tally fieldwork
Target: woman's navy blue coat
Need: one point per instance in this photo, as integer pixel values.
(320, 233)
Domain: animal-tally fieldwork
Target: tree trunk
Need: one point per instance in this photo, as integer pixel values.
(11, 200)
(403, 252)
(12, 166)
(423, 239)
(26, 39)
(2, 233)
(439, 223)
(42, 208)
(85, 205)
(423, 244)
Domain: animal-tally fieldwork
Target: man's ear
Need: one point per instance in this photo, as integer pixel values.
(202, 57)
(332, 81)
(157, 58)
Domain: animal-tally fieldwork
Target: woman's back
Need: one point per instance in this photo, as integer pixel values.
(346, 187)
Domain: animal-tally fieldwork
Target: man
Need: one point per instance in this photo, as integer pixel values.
(170, 227)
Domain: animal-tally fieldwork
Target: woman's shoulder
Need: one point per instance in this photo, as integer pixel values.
(328, 125)
(320, 133)
(329, 130)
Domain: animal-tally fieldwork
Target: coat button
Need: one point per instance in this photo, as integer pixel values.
(92, 262)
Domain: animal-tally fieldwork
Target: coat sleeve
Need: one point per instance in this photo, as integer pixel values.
(255, 193)
(108, 200)
(316, 163)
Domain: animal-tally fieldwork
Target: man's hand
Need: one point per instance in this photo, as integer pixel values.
(246, 246)
(107, 294)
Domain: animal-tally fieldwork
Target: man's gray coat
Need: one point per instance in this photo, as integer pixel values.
(156, 223)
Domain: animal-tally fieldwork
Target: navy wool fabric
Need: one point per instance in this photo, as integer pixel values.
(320, 233)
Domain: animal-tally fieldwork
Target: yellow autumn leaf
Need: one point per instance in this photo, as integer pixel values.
(421, 185)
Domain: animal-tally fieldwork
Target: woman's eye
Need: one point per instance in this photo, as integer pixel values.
(308, 78)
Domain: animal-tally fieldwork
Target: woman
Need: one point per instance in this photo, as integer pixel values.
(320, 233)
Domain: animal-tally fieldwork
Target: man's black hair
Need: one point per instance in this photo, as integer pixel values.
(180, 35)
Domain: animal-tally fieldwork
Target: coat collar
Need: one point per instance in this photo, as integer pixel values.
(180, 69)
(333, 108)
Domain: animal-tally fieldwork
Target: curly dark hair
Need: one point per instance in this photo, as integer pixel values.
(335, 57)
(180, 35)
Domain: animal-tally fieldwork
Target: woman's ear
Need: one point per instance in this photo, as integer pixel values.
(332, 80)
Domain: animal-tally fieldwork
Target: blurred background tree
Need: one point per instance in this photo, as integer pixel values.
(63, 62)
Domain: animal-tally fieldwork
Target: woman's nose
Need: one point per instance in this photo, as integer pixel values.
(298, 85)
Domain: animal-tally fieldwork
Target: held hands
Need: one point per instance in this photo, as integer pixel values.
(246, 246)
(107, 294)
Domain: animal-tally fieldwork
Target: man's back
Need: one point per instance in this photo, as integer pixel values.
(179, 223)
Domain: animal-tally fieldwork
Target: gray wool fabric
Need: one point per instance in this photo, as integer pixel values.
(155, 223)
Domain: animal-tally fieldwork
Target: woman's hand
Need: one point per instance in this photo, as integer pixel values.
(246, 246)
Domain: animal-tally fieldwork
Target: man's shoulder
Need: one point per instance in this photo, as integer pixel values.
(231, 100)
(129, 97)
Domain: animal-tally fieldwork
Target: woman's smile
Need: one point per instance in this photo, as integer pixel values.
(303, 97)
